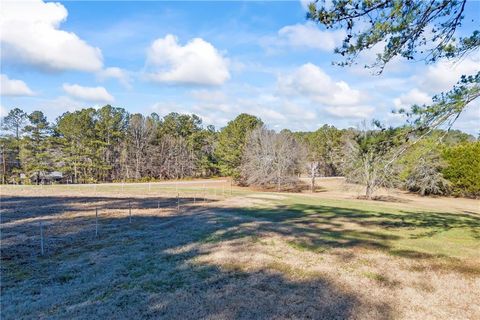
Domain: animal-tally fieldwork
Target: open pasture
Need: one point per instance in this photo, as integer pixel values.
(216, 252)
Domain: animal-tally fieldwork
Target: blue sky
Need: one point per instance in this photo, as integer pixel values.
(214, 59)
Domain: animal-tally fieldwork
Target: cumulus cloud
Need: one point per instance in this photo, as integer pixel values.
(414, 96)
(208, 95)
(303, 36)
(308, 35)
(197, 62)
(92, 94)
(442, 75)
(337, 97)
(31, 35)
(11, 87)
(115, 73)
(3, 111)
(437, 78)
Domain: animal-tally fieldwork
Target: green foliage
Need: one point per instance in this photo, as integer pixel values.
(231, 142)
(415, 30)
(463, 169)
(446, 107)
(15, 121)
(108, 144)
(35, 156)
(325, 146)
(77, 138)
(401, 26)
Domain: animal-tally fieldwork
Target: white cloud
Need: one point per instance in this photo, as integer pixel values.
(3, 111)
(305, 3)
(197, 62)
(414, 96)
(351, 112)
(442, 75)
(337, 98)
(31, 35)
(308, 35)
(11, 87)
(115, 73)
(208, 95)
(436, 78)
(93, 94)
(469, 120)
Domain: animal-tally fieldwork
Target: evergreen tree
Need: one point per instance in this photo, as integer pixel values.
(231, 143)
(35, 154)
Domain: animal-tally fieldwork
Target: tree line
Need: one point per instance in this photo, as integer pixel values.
(109, 144)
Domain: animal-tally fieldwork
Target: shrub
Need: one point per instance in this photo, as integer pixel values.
(426, 178)
(463, 168)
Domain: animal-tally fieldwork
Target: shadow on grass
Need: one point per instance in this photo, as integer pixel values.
(317, 228)
(151, 267)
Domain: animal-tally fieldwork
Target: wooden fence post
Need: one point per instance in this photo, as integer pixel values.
(178, 202)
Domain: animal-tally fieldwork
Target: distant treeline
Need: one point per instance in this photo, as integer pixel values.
(109, 144)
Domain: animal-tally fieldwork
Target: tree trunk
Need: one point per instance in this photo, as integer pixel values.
(368, 191)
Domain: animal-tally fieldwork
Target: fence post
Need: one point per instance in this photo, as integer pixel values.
(231, 182)
(96, 222)
(129, 211)
(194, 198)
(41, 238)
(178, 202)
(158, 204)
(204, 194)
(149, 186)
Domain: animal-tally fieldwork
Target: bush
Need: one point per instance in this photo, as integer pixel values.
(426, 178)
(463, 168)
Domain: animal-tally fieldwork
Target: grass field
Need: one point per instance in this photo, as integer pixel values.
(233, 254)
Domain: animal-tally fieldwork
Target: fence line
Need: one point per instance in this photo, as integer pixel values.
(60, 225)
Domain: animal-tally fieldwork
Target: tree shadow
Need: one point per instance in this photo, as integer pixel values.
(151, 267)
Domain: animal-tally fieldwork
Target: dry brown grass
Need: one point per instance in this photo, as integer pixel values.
(213, 261)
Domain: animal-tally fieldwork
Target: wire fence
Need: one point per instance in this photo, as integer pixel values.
(47, 229)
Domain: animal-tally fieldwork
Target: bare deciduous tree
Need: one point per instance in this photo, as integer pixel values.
(312, 170)
(139, 132)
(370, 158)
(271, 159)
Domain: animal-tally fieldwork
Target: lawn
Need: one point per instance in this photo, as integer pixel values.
(249, 255)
